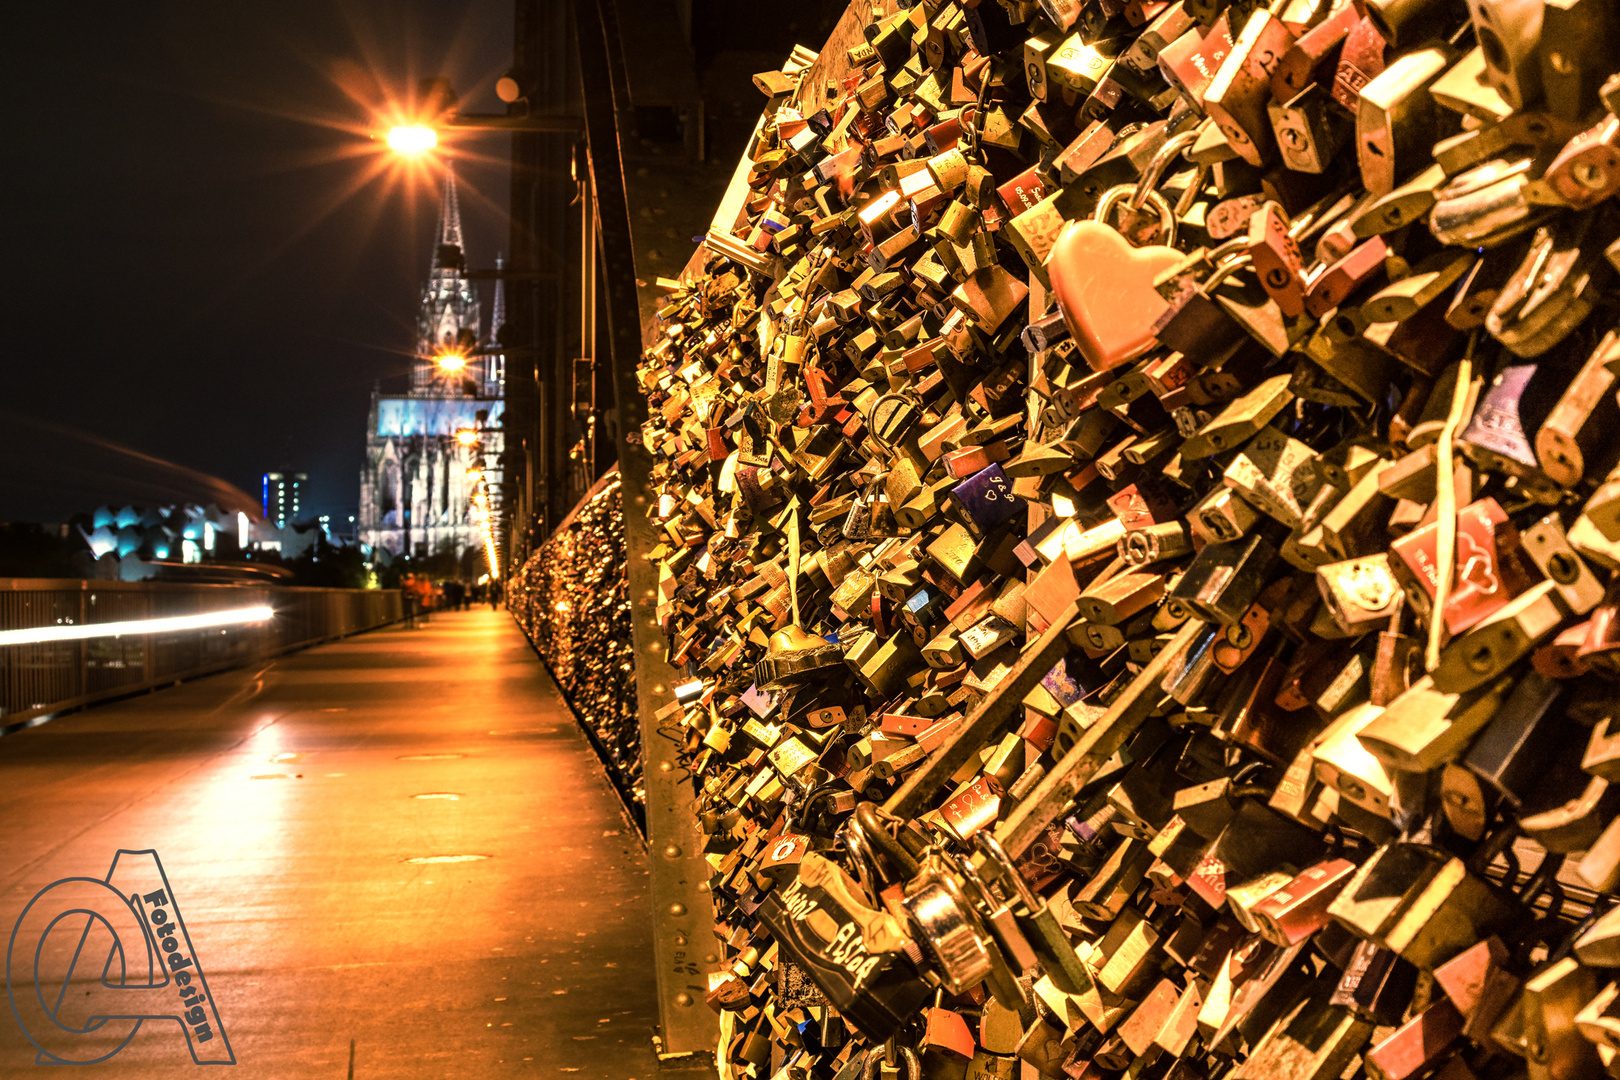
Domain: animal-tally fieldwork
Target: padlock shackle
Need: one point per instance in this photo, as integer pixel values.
(865, 821)
(871, 419)
(1545, 879)
(860, 853)
(1167, 214)
(1173, 146)
(1226, 270)
(803, 805)
(1498, 843)
(997, 854)
(877, 1055)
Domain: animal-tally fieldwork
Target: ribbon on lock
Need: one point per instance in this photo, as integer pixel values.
(1103, 284)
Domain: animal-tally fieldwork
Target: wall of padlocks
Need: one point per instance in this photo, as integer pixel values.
(571, 601)
(1139, 521)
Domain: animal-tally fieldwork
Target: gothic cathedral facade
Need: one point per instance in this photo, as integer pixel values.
(417, 481)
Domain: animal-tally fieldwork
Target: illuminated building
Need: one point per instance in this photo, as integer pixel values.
(283, 496)
(415, 494)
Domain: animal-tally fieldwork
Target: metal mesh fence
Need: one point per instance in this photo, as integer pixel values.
(36, 679)
(571, 600)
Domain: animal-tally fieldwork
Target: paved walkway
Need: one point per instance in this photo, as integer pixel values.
(285, 803)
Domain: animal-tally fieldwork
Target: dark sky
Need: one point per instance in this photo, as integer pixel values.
(192, 272)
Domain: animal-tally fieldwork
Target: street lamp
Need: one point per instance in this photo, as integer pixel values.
(436, 110)
(451, 363)
(412, 139)
(466, 436)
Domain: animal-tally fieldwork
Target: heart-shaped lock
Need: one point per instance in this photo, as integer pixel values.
(1105, 288)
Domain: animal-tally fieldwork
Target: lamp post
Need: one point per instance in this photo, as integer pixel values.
(537, 470)
(437, 111)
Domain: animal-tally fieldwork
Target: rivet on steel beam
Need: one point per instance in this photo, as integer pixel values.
(677, 908)
(673, 851)
(664, 766)
(683, 998)
(658, 688)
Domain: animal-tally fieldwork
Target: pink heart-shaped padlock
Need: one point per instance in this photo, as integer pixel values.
(1105, 288)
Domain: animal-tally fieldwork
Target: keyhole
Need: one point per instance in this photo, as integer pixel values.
(1591, 175)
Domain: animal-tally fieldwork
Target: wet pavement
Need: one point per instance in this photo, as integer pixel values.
(285, 804)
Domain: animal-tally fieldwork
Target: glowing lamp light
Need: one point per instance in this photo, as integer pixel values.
(466, 436)
(452, 363)
(412, 139)
(234, 617)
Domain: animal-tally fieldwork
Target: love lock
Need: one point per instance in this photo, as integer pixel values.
(949, 930)
(881, 1064)
(1138, 227)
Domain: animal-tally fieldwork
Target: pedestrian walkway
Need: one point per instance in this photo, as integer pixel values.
(287, 803)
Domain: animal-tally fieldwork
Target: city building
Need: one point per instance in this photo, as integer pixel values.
(283, 496)
(428, 439)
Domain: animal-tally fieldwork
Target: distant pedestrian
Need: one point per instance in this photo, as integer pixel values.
(495, 596)
(420, 589)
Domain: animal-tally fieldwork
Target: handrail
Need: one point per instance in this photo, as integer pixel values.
(41, 678)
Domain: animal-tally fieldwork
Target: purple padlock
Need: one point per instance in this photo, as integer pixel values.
(986, 499)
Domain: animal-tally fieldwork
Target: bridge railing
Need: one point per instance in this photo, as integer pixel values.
(570, 599)
(44, 677)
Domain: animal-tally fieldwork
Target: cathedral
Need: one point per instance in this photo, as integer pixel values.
(417, 484)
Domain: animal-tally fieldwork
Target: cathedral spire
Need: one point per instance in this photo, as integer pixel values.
(449, 253)
(448, 321)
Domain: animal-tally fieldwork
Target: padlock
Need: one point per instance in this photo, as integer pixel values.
(1186, 638)
(1553, 290)
(1422, 728)
(949, 930)
(1298, 909)
(1507, 634)
(854, 954)
(1548, 547)
(1225, 579)
(1509, 757)
(1420, 902)
(1376, 984)
(1572, 62)
(1051, 945)
(1571, 442)
(1397, 119)
(1236, 97)
(1487, 204)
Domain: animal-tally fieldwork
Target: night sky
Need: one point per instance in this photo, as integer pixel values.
(192, 272)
